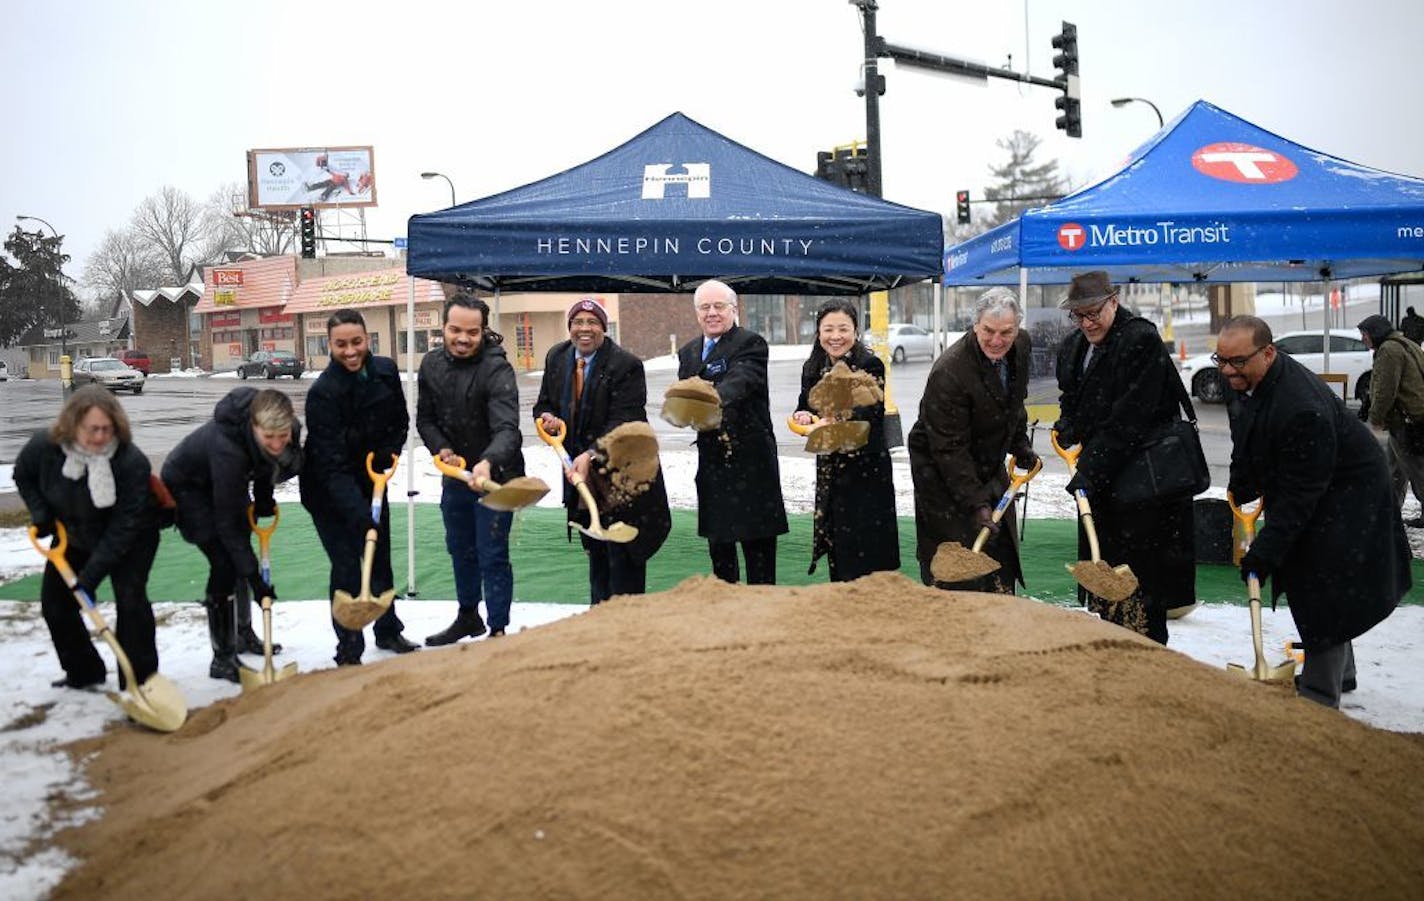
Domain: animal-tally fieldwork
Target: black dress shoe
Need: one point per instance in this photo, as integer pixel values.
(496, 633)
(71, 682)
(396, 643)
(1348, 684)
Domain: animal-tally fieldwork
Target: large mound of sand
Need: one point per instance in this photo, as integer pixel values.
(876, 739)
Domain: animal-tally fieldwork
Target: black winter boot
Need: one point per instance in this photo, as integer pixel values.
(248, 641)
(467, 624)
(220, 633)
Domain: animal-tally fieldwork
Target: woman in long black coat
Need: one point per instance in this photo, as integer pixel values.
(971, 417)
(855, 526)
(1112, 402)
(356, 407)
(251, 442)
(86, 473)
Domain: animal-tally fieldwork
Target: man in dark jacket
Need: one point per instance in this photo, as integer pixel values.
(738, 478)
(590, 387)
(971, 415)
(1412, 326)
(468, 406)
(355, 408)
(1333, 543)
(252, 440)
(1396, 398)
(1117, 389)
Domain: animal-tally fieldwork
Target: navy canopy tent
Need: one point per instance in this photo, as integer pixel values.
(677, 204)
(1212, 198)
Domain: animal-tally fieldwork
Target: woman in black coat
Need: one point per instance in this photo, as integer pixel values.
(1112, 401)
(855, 526)
(614, 391)
(971, 417)
(355, 407)
(252, 441)
(86, 473)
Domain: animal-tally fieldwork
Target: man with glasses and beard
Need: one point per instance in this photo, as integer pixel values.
(1117, 388)
(1334, 543)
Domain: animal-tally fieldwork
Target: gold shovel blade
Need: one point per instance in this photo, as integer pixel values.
(838, 437)
(617, 532)
(516, 494)
(157, 704)
(1107, 582)
(358, 613)
(685, 411)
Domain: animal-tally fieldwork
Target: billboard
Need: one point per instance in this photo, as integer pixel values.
(313, 176)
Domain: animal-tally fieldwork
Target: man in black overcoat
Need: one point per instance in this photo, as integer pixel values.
(972, 415)
(590, 387)
(738, 478)
(1333, 542)
(1116, 382)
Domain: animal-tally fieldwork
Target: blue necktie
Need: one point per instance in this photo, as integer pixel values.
(707, 345)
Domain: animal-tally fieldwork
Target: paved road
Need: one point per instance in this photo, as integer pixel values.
(170, 408)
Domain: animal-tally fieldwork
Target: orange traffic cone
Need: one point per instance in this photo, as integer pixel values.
(1182, 351)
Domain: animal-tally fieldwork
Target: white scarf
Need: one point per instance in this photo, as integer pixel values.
(78, 461)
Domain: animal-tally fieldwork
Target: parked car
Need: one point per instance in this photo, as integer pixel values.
(136, 359)
(108, 372)
(1348, 356)
(4, 371)
(907, 340)
(270, 364)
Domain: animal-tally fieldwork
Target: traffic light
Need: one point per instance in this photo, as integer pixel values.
(1066, 62)
(961, 206)
(828, 168)
(308, 227)
(848, 167)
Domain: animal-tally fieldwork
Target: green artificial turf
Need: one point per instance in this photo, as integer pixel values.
(548, 568)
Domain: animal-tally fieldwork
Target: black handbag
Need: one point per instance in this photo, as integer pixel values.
(1170, 465)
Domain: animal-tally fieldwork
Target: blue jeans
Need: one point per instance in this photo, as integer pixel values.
(478, 541)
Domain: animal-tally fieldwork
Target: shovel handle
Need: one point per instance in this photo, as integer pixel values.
(1247, 518)
(55, 555)
(264, 539)
(556, 441)
(458, 471)
(379, 480)
(1069, 454)
(1017, 480)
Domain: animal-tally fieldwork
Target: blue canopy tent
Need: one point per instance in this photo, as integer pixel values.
(677, 204)
(1211, 198)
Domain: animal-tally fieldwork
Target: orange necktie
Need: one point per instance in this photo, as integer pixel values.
(578, 384)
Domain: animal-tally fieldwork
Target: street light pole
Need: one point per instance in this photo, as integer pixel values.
(430, 175)
(63, 329)
(1124, 101)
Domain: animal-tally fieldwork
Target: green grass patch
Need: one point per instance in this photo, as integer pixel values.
(550, 568)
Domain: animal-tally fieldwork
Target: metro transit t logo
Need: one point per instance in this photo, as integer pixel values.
(1243, 163)
(1072, 236)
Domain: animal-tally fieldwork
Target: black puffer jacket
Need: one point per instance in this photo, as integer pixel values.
(351, 414)
(472, 407)
(107, 534)
(209, 473)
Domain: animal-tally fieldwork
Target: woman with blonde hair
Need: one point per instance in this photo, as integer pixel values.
(250, 445)
(84, 472)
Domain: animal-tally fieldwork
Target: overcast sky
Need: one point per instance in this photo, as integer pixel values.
(107, 102)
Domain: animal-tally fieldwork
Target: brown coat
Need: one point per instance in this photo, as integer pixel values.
(968, 423)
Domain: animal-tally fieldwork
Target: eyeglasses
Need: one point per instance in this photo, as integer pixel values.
(1091, 315)
(96, 429)
(1237, 363)
(719, 306)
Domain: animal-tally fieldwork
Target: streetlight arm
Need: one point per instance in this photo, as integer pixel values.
(430, 175)
(1124, 101)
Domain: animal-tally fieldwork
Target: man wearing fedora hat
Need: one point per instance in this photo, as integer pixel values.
(1117, 387)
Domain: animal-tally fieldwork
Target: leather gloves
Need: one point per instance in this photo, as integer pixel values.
(984, 519)
(1253, 563)
(44, 528)
(260, 589)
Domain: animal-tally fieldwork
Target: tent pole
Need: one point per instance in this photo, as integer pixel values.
(937, 320)
(1325, 312)
(410, 589)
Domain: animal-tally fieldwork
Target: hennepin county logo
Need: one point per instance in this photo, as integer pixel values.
(696, 180)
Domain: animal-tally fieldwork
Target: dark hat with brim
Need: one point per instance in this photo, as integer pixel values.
(1088, 289)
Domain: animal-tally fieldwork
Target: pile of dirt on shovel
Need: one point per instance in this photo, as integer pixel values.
(630, 455)
(870, 739)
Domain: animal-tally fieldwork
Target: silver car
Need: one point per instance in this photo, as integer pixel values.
(108, 372)
(1350, 364)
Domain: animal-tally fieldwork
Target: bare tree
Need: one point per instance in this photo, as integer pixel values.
(174, 226)
(122, 264)
(242, 229)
